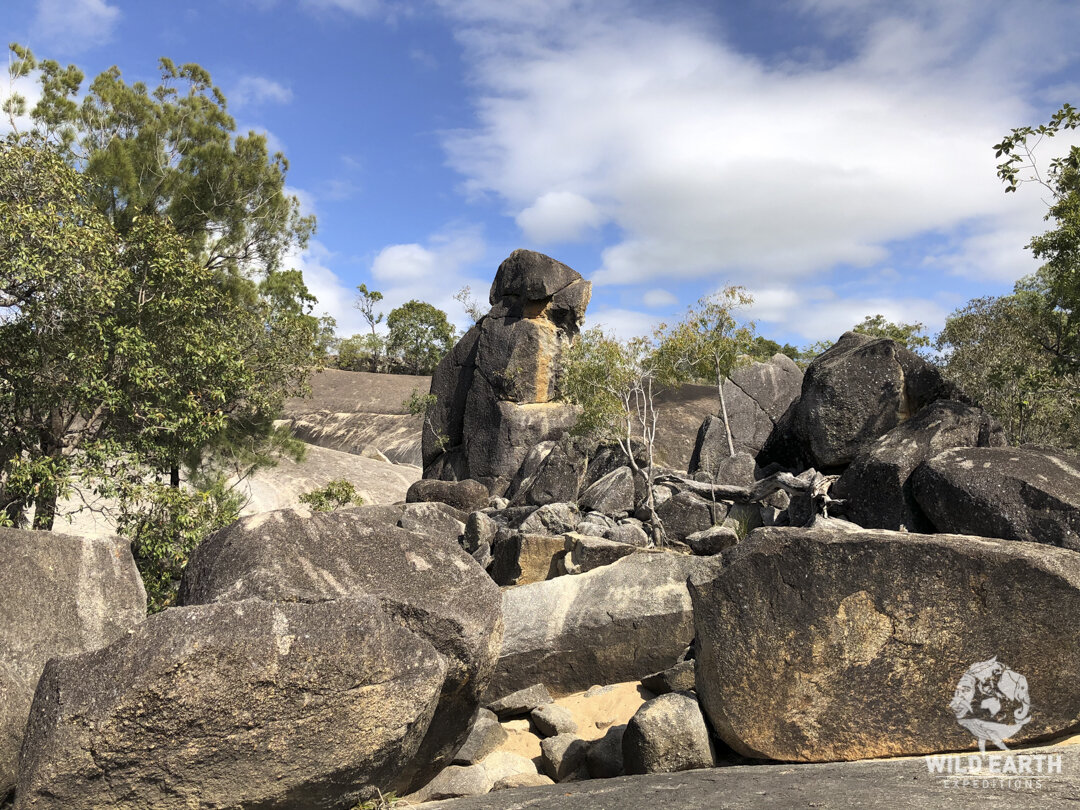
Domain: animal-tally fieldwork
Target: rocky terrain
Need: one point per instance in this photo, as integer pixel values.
(873, 575)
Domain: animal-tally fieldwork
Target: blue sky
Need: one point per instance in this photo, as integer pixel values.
(833, 156)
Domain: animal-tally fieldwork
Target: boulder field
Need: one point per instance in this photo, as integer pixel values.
(871, 574)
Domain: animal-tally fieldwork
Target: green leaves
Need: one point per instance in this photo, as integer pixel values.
(420, 335)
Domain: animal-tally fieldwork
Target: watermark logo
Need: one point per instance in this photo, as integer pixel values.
(992, 702)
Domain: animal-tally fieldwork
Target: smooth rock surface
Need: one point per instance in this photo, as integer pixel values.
(832, 643)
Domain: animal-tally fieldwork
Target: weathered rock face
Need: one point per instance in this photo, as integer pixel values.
(520, 558)
(877, 485)
(552, 472)
(756, 397)
(496, 387)
(59, 595)
(685, 514)
(617, 623)
(858, 390)
(611, 495)
(1008, 492)
(826, 643)
(250, 703)
(429, 585)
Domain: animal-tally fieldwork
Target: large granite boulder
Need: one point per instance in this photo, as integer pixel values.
(521, 558)
(496, 389)
(1010, 492)
(614, 624)
(844, 643)
(858, 390)
(239, 704)
(756, 396)
(877, 485)
(467, 495)
(59, 595)
(666, 735)
(430, 586)
(552, 472)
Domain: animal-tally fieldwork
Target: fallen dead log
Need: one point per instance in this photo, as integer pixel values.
(810, 483)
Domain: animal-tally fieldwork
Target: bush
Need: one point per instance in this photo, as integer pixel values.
(334, 495)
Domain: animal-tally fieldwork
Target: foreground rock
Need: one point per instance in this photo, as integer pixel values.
(877, 485)
(247, 704)
(666, 735)
(428, 585)
(59, 595)
(1014, 493)
(825, 644)
(832, 786)
(496, 388)
(858, 390)
(617, 623)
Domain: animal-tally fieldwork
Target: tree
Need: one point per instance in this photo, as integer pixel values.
(988, 351)
(113, 341)
(174, 153)
(707, 344)
(359, 352)
(469, 303)
(419, 336)
(365, 302)
(1053, 292)
(909, 335)
(762, 349)
(614, 382)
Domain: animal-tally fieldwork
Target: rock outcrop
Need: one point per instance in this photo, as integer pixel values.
(1011, 492)
(496, 388)
(858, 390)
(239, 704)
(429, 585)
(877, 485)
(840, 643)
(59, 595)
(666, 735)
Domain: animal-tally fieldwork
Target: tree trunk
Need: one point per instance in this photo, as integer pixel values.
(45, 509)
(174, 477)
(723, 412)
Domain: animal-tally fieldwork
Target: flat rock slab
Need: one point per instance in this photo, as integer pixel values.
(832, 786)
(617, 623)
(828, 644)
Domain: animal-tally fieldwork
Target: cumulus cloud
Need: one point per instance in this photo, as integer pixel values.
(74, 25)
(820, 313)
(361, 8)
(713, 163)
(623, 323)
(659, 298)
(336, 299)
(259, 90)
(559, 216)
(434, 271)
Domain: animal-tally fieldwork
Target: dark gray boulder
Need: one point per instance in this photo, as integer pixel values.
(563, 757)
(486, 735)
(521, 702)
(467, 495)
(604, 759)
(59, 595)
(877, 485)
(832, 643)
(666, 735)
(496, 390)
(615, 624)
(552, 472)
(551, 720)
(1010, 492)
(858, 390)
(679, 678)
(611, 495)
(712, 540)
(685, 514)
(552, 518)
(587, 553)
(431, 587)
(243, 704)
(480, 529)
(629, 532)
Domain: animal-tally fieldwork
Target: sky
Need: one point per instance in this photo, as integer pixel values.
(834, 157)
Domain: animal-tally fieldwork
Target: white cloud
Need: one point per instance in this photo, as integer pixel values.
(335, 298)
(559, 216)
(259, 90)
(623, 323)
(819, 313)
(75, 25)
(30, 90)
(361, 8)
(434, 272)
(716, 164)
(659, 298)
